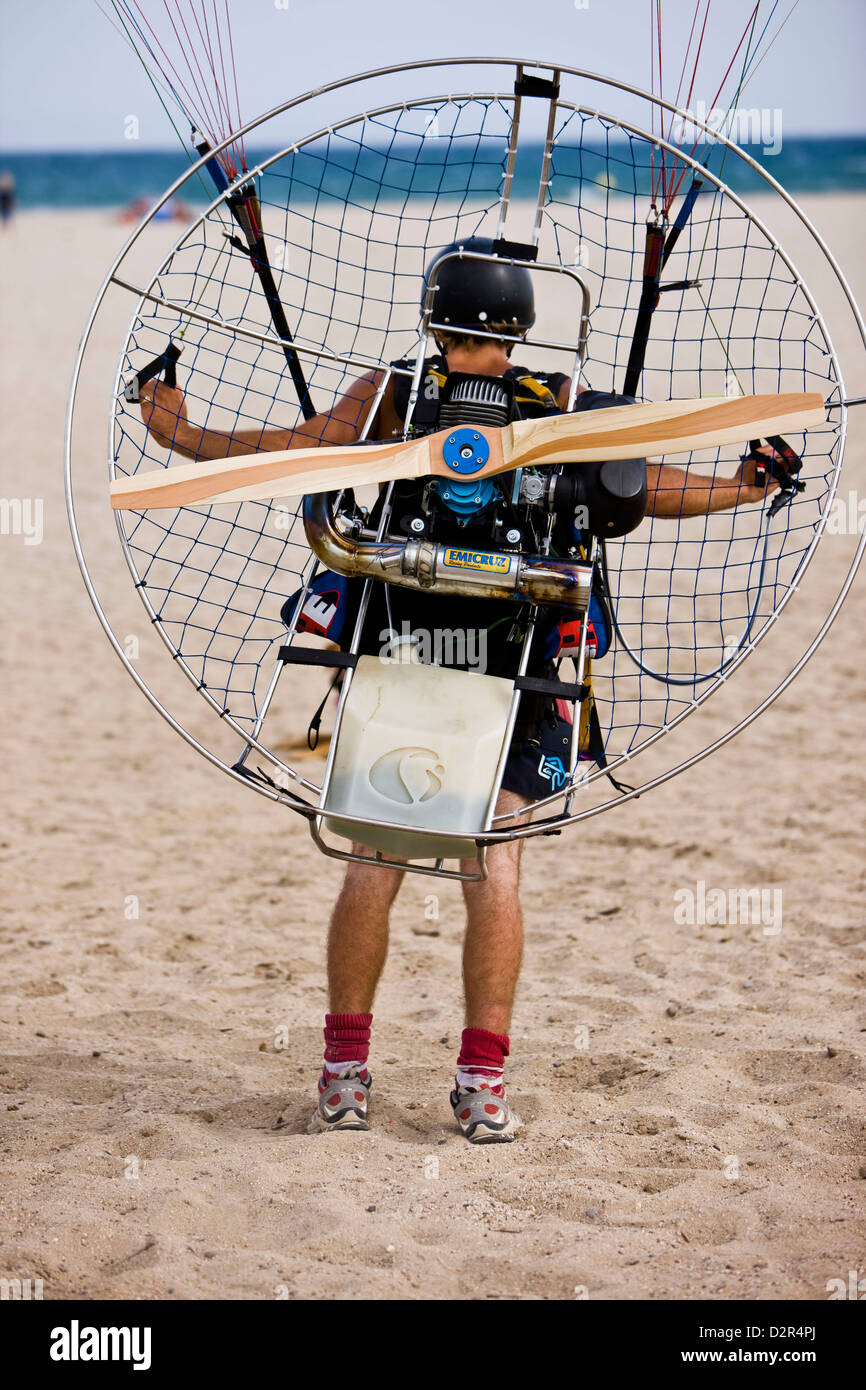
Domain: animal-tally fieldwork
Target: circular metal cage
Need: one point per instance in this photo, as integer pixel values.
(351, 214)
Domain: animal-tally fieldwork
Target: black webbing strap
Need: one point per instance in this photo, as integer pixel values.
(315, 724)
(244, 207)
(258, 255)
(529, 85)
(515, 250)
(257, 774)
(560, 690)
(311, 656)
(240, 203)
(165, 363)
(652, 269)
(657, 250)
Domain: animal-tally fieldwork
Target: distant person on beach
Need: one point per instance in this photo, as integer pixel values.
(8, 200)
(172, 211)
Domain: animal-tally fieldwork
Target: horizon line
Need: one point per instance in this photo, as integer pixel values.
(133, 147)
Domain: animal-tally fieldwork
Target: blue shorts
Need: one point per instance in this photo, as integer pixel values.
(539, 766)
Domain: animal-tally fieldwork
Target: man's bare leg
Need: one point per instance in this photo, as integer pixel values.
(493, 944)
(358, 935)
(492, 952)
(357, 947)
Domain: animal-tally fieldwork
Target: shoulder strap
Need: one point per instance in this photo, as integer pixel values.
(538, 390)
(427, 405)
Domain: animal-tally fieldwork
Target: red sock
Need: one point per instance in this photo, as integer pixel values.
(347, 1041)
(482, 1058)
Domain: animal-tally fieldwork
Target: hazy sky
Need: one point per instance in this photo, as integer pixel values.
(68, 81)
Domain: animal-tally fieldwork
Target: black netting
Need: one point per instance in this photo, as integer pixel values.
(350, 221)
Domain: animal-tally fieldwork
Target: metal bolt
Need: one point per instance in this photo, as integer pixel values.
(512, 536)
(478, 499)
(416, 524)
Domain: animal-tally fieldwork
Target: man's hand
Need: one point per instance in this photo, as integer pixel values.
(744, 478)
(163, 410)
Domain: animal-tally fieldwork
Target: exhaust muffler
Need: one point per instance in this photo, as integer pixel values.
(432, 567)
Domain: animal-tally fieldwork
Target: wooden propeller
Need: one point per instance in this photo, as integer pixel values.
(467, 452)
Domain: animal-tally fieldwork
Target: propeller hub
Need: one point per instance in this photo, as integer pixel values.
(466, 450)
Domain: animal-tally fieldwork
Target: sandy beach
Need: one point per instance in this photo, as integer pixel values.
(693, 1091)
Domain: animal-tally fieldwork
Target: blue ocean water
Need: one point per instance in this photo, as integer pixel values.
(47, 179)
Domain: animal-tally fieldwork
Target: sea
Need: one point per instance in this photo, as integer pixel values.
(49, 179)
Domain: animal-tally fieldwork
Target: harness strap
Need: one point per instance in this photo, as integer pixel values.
(315, 723)
(530, 391)
(559, 690)
(311, 656)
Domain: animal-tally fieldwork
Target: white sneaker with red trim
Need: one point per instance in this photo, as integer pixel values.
(342, 1101)
(484, 1115)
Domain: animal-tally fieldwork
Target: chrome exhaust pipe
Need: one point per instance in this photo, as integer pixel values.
(431, 567)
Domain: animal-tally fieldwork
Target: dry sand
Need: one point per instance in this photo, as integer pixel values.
(163, 933)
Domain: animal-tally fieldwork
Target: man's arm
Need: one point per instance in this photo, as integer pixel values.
(677, 491)
(163, 409)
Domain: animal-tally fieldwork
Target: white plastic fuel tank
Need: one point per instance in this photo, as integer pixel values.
(417, 745)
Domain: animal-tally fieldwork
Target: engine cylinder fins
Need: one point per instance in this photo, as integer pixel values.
(475, 400)
(491, 416)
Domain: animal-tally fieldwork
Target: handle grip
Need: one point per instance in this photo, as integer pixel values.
(165, 363)
(785, 472)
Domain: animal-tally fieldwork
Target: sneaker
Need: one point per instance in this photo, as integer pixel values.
(342, 1101)
(484, 1115)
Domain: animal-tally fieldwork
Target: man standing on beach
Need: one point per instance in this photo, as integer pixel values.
(500, 297)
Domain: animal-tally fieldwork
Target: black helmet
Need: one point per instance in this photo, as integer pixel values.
(472, 294)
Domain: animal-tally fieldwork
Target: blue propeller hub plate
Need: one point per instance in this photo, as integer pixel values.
(466, 450)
